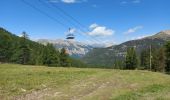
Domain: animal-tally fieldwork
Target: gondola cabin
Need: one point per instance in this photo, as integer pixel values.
(70, 37)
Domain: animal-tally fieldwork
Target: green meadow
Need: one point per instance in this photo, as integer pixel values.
(24, 82)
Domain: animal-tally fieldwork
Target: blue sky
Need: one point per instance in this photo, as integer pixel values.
(103, 21)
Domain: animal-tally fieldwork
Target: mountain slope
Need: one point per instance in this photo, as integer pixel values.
(75, 49)
(164, 35)
(107, 56)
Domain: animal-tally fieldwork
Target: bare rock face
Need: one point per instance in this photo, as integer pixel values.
(167, 32)
(75, 49)
(164, 35)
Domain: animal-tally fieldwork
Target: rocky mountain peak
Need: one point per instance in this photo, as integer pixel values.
(74, 48)
(164, 35)
(166, 32)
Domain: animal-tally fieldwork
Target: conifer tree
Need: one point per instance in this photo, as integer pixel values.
(22, 51)
(51, 56)
(158, 61)
(131, 61)
(161, 60)
(5, 47)
(144, 59)
(25, 53)
(167, 51)
(64, 58)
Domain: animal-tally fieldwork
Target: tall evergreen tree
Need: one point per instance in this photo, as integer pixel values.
(144, 59)
(118, 64)
(5, 46)
(167, 51)
(131, 61)
(22, 50)
(158, 61)
(25, 49)
(64, 58)
(161, 59)
(50, 56)
(155, 62)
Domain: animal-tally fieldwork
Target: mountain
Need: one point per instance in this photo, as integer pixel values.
(107, 56)
(75, 49)
(15, 49)
(164, 35)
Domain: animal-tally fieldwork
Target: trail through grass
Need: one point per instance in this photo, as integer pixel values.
(49, 83)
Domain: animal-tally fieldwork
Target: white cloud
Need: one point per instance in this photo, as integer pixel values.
(72, 30)
(133, 30)
(67, 1)
(129, 2)
(101, 44)
(139, 37)
(92, 26)
(97, 30)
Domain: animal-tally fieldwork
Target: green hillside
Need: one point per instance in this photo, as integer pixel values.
(44, 83)
(22, 50)
(108, 56)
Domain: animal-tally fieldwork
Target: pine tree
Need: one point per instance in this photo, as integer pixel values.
(64, 58)
(167, 51)
(38, 55)
(25, 49)
(50, 56)
(118, 64)
(22, 51)
(161, 59)
(155, 62)
(144, 59)
(131, 59)
(5, 46)
(158, 61)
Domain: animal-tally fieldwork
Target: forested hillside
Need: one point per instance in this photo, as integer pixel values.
(116, 54)
(21, 50)
(74, 48)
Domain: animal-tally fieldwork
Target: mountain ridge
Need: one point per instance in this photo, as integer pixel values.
(107, 56)
(74, 48)
(165, 35)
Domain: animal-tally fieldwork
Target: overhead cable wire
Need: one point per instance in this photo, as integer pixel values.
(44, 13)
(82, 27)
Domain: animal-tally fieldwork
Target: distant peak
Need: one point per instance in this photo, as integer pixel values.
(163, 33)
(166, 32)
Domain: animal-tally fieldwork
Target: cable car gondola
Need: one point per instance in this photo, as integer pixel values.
(70, 35)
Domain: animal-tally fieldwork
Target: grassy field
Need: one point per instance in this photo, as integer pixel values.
(18, 82)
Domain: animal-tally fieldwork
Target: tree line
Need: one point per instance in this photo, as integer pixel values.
(21, 50)
(153, 59)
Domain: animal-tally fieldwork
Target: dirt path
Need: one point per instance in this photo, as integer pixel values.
(78, 90)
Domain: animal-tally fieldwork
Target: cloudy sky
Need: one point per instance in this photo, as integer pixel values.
(95, 21)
